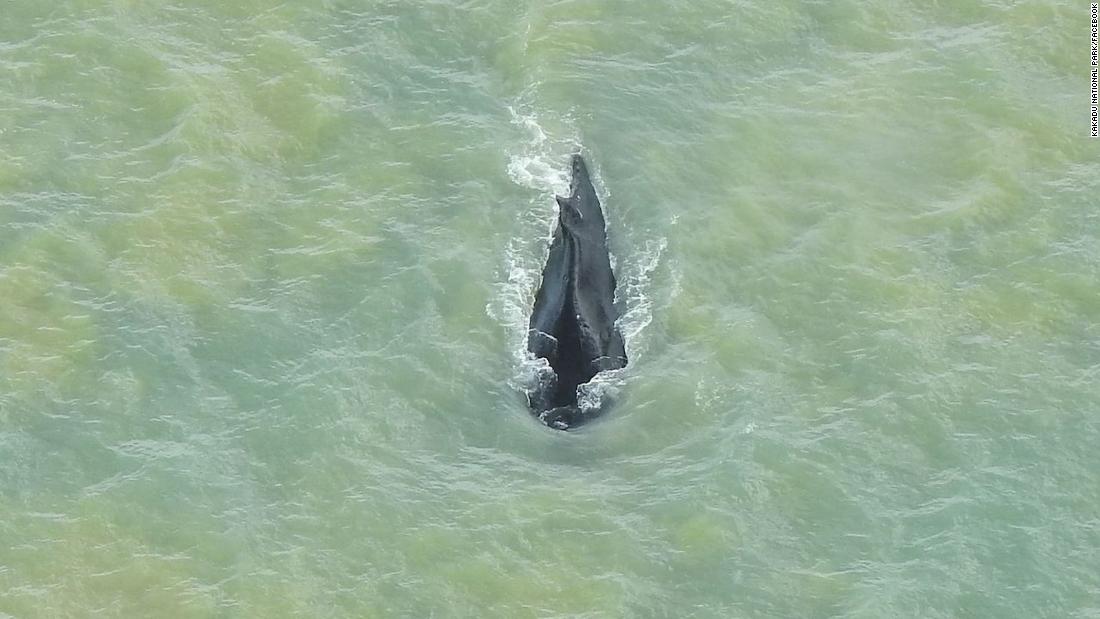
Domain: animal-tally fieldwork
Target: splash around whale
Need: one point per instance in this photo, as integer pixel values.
(573, 319)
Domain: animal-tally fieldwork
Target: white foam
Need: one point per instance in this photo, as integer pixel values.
(534, 167)
(634, 294)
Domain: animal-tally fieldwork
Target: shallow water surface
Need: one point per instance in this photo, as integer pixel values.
(265, 271)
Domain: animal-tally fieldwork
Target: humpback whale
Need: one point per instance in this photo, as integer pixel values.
(573, 320)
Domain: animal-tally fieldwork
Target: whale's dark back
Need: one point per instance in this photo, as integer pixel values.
(573, 319)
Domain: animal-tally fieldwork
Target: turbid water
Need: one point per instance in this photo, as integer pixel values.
(265, 270)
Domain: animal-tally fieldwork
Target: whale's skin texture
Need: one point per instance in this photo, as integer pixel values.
(573, 319)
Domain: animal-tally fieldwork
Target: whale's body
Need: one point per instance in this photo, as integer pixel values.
(573, 320)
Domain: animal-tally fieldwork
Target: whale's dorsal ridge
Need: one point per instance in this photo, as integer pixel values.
(568, 213)
(569, 205)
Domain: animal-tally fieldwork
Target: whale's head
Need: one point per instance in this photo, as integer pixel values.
(579, 173)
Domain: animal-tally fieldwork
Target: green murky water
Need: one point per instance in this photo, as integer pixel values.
(265, 269)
